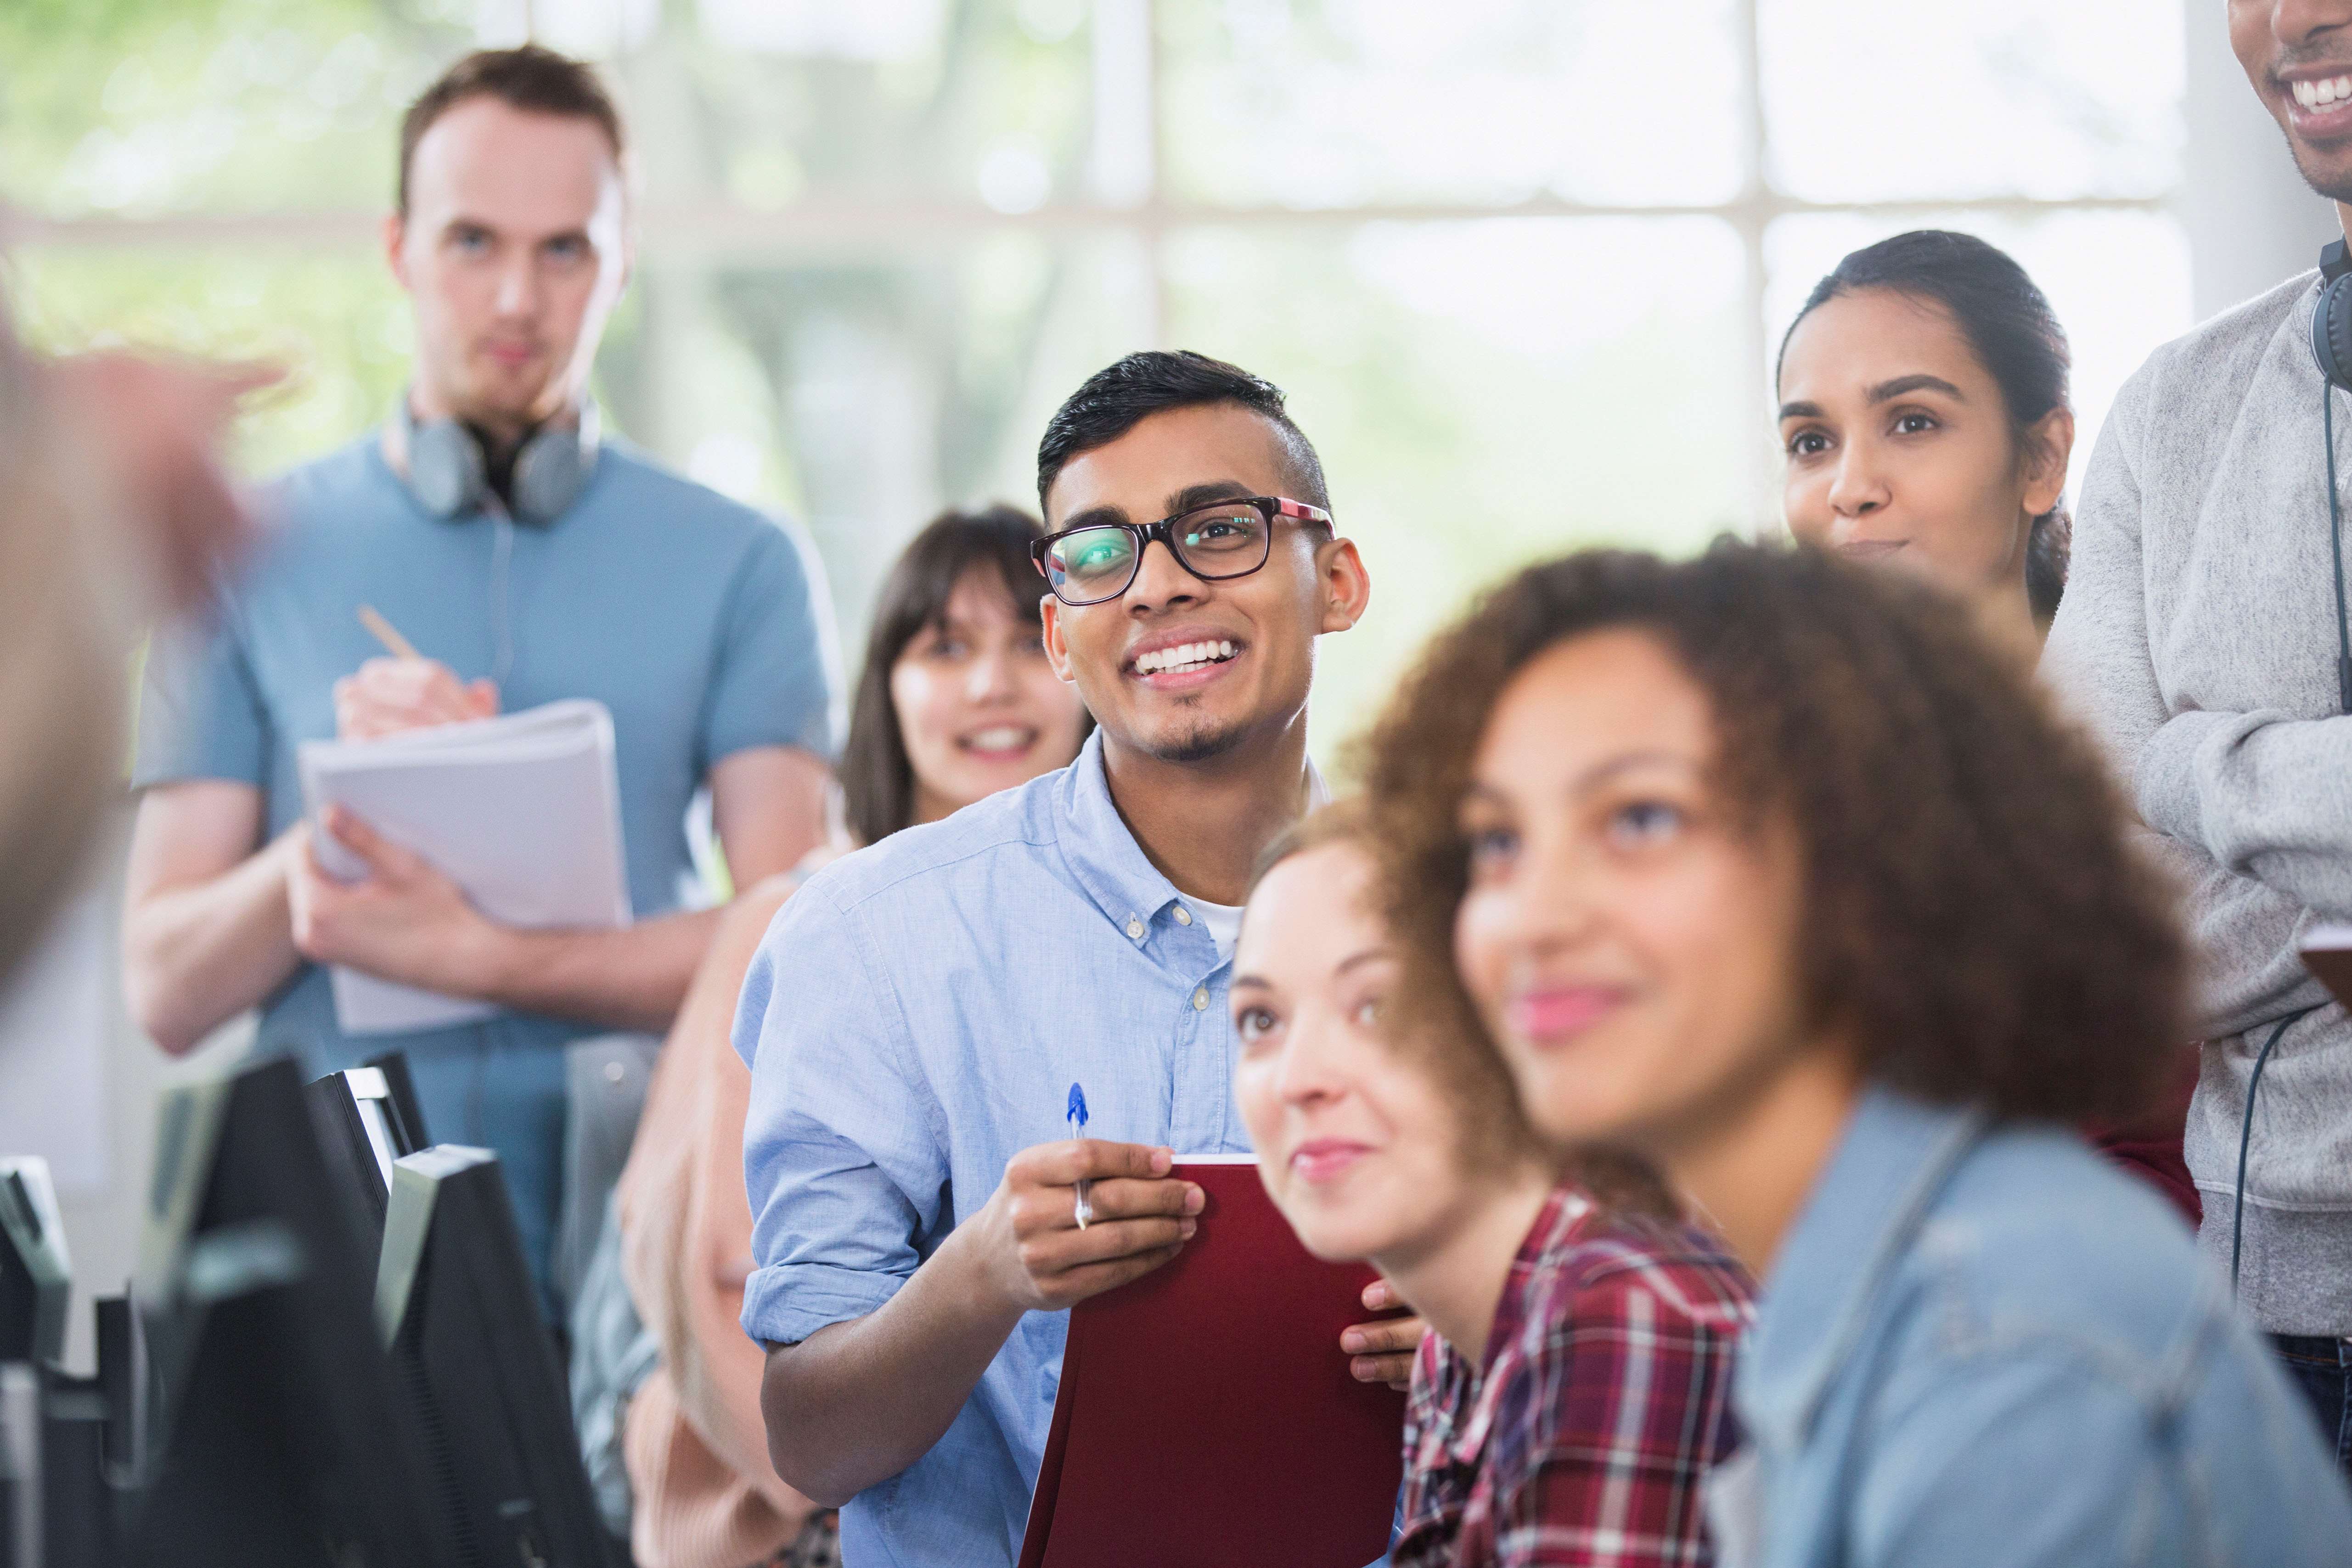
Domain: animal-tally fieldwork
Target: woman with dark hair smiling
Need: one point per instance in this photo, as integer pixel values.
(1924, 416)
(1926, 422)
(1576, 1391)
(1774, 871)
(955, 701)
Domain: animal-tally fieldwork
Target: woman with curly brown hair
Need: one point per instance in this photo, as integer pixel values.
(1576, 1389)
(1772, 869)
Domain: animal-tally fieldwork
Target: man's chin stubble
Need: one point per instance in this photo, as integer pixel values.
(1202, 743)
(2335, 187)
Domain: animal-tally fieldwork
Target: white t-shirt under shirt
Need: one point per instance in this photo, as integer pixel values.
(1222, 921)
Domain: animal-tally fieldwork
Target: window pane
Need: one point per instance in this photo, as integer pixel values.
(861, 396)
(2119, 281)
(1321, 103)
(1484, 394)
(335, 320)
(270, 105)
(1893, 99)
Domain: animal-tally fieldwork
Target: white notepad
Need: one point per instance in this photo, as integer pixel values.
(523, 811)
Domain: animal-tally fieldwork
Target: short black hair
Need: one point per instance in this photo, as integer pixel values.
(1118, 397)
(527, 78)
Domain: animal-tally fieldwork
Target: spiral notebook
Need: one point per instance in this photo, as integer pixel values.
(1206, 1414)
(523, 811)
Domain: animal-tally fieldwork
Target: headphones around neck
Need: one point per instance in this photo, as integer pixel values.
(449, 473)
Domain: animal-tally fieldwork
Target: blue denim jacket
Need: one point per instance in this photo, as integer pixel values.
(1983, 1346)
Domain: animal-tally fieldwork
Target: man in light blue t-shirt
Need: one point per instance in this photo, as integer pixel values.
(527, 560)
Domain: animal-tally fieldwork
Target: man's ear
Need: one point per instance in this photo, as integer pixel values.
(1057, 651)
(1345, 585)
(396, 232)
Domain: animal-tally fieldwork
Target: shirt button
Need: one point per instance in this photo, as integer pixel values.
(1200, 1000)
(1135, 930)
(1183, 916)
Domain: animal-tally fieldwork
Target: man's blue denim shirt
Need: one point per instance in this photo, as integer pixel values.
(1984, 1345)
(914, 1018)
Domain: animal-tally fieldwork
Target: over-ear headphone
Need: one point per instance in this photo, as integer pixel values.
(450, 477)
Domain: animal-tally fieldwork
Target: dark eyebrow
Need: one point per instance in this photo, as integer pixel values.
(1598, 774)
(1800, 411)
(1093, 518)
(1208, 495)
(1630, 762)
(1184, 500)
(1888, 392)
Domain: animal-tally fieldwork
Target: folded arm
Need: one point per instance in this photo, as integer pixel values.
(2202, 782)
(2265, 796)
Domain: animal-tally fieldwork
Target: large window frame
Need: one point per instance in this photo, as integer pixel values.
(1125, 202)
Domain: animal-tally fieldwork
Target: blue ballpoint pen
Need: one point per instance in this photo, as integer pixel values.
(1075, 1115)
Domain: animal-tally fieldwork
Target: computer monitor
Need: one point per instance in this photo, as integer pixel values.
(365, 1124)
(400, 1089)
(456, 1302)
(36, 1271)
(278, 1433)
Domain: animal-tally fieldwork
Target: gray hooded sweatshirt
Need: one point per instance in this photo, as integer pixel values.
(2198, 640)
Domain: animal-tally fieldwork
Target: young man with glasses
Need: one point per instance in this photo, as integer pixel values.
(918, 1016)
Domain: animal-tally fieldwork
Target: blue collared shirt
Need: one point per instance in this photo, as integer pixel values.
(1985, 1345)
(699, 623)
(914, 1018)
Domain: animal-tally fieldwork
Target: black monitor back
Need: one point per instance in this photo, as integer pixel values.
(457, 1304)
(36, 1271)
(400, 1087)
(278, 1435)
(367, 1118)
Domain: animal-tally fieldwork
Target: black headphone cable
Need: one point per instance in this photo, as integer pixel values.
(2335, 549)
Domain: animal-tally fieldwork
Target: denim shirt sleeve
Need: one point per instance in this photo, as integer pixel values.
(1962, 1463)
(843, 1154)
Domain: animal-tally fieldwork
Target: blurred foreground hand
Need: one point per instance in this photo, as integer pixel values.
(151, 430)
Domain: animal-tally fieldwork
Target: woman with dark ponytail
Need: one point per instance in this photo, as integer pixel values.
(1924, 416)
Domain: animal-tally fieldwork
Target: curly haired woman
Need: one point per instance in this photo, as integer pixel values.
(1772, 870)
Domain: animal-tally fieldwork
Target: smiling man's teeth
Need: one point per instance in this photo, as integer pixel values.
(1191, 655)
(2323, 94)
(1006, 737)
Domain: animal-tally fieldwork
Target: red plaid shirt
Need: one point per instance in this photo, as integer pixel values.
(1604, 1400)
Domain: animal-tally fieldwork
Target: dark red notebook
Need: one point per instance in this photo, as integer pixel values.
(1206, 1416)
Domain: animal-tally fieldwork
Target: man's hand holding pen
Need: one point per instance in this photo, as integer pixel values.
(1037, 1254)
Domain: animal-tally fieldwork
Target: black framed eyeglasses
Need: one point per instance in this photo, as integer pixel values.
(1216, 541)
